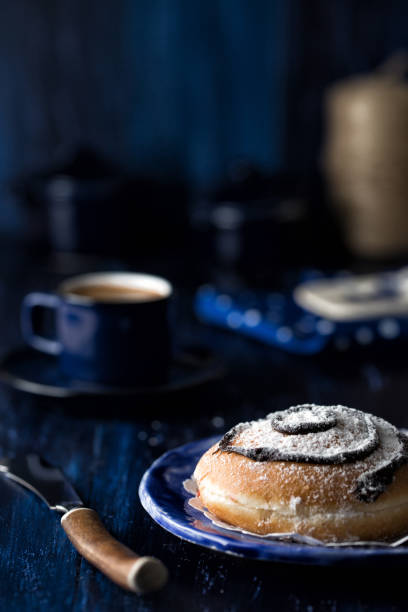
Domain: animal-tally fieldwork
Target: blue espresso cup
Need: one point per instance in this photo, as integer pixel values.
(111, 328)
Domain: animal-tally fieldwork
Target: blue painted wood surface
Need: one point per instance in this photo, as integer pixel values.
(106, 457)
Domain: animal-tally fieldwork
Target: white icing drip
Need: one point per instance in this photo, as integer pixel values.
(294, 503)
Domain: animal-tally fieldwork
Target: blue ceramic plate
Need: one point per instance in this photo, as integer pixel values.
(163, 496)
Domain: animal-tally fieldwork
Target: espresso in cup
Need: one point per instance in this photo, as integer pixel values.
(111, 327)
(116, 293)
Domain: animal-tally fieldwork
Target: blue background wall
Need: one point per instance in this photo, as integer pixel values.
(178, 87)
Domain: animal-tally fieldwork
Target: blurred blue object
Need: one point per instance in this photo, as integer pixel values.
(277, 319)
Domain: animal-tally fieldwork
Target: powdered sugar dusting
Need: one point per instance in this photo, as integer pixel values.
(374, 446)
(306, 418)
(352, 436)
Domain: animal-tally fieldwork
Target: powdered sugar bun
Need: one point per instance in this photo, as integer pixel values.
(330, 472)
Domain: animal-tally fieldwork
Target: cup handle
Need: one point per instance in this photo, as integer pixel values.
(31, 302)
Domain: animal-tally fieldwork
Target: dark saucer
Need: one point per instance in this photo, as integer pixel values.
(37, 373)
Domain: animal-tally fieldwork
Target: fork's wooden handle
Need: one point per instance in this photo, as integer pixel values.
(119, 563)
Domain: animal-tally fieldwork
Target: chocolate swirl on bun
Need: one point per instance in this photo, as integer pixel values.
(324, 435)
(332, 472)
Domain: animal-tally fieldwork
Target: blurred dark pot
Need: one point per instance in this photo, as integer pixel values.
(86, 216)
(88, 206)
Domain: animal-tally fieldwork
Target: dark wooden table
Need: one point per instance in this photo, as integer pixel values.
(104, 451)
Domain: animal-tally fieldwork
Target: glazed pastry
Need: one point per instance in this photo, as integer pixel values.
(330, 472)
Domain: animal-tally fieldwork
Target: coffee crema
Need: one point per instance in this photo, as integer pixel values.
(107, 292)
